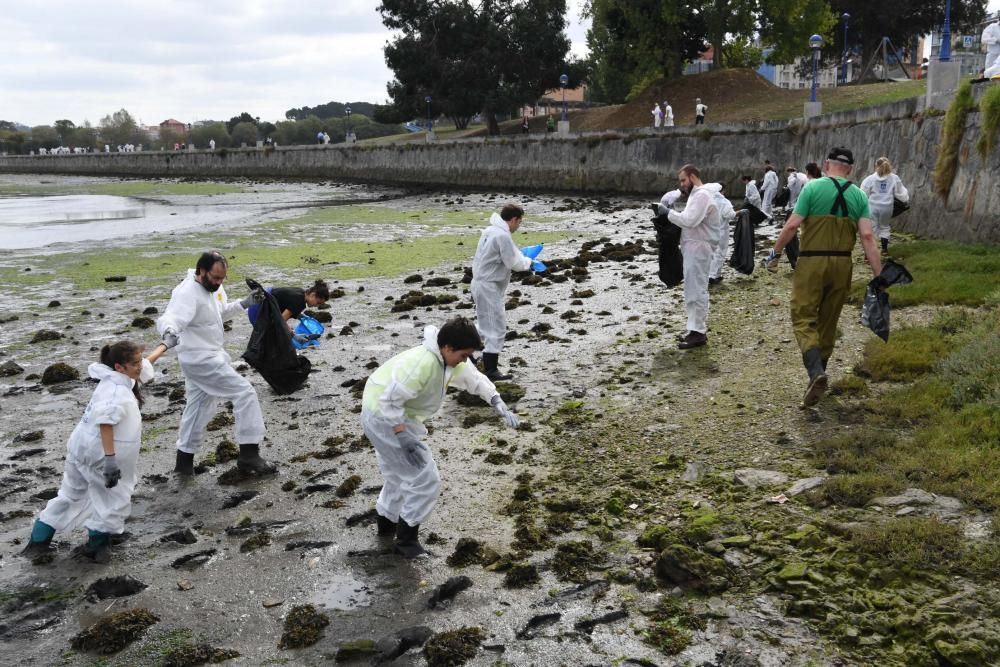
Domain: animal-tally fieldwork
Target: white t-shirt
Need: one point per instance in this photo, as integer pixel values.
(700, 109)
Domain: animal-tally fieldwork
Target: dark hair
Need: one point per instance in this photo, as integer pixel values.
(122, 353)
(511, 211)
(459, 334)
(791, 169)
(813, 170)
(320, 289)
(768, 168)
(746, 179)
(208, 259)
(690, 170)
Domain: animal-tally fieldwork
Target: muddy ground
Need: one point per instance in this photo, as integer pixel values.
(611, 406)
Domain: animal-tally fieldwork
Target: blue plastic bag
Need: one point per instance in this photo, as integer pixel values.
(308, 326)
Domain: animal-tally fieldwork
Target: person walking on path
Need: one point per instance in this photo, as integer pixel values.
(657, 116)
(399, 396)
(668, 115)
(700, 229)
(496, 257)
(883, 187)
(833, 213)
(102, 455)
(193, 321)
(699, 112)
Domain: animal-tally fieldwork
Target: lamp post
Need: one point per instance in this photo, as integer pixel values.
(846, 17)
(347, 110)
(563, 81)
(945, 55)
(430, 123)
(815, 42)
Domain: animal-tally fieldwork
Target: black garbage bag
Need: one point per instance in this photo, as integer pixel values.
(742, 259)
(668, 237)
(757, 216)
(792, 251)
(875, 312)
(270, 350)
(899, 207)
(781, 199)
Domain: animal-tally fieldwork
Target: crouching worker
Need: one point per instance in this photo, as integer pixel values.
(398, 397)
(101, 459)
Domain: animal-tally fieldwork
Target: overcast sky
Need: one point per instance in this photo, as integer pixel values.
(210, 59)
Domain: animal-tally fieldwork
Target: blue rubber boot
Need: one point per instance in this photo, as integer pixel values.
(41, 540)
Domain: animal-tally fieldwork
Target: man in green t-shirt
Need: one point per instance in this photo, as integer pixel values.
(832, 212)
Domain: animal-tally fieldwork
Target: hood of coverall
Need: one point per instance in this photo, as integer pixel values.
(99, 371)
(431, 338)
(499, 222)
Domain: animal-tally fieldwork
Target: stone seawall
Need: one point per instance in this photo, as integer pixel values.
(637, 161)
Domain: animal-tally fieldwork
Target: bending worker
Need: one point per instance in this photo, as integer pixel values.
(833, 212)
(193, 322)
(700, 229)
(398, 397)
(496, 257)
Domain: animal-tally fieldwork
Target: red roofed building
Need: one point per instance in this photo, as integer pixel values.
(174, 126)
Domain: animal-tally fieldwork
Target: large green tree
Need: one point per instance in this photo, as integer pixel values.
(121, 128)
(488, 56)
(901, 21)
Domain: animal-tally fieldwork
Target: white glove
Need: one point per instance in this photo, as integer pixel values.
(170, 338)
(509, 417)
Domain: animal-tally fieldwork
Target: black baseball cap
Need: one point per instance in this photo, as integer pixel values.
(841, 155)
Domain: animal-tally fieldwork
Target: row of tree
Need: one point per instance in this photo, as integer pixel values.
(459, 58)
(121, 128)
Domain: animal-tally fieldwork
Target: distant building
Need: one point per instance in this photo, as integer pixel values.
(703, 63)
(798, 75)
(551, 101)
(174, 126)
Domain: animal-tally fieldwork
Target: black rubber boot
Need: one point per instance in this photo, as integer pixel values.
(885, 245)
(35, 550)
(813, 361)
(407, 545)
(490, 361)
(250, 461)
(184, 464)
(386, 528)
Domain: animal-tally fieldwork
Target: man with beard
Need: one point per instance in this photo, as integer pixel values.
(701, 227)
(193, 321)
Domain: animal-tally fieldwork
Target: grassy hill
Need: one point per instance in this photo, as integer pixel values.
(732, 95)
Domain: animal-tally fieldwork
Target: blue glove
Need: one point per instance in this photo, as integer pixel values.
(112, 473)
(414, 451)
(771, 261)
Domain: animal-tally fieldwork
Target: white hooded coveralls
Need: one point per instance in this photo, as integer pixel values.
(726, 216)
(991, 38)
(752, 195)
(82, 499)
(700, 228)
(881, 191)
(796, 181)
(196, 315)
(408, 389)
(770, 190)
(496, 256)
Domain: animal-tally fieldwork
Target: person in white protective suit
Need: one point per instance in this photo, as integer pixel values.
(193, 322)
(991, 41)
(769, 190)
(726, 216)
(882, 187)
(398, 397)
(796, 181)
(496, 257)
(102, 454)
(668, 115)
(657, 116)
(700, 228)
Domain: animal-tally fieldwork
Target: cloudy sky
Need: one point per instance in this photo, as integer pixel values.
(189, 60)
(194, 60)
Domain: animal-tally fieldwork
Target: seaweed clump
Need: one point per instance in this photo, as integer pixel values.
(454, 647)
(348, 486)
(574, 560)
(113, 633)
(303, 627)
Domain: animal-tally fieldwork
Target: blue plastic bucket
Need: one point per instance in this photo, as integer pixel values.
(533, 251)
